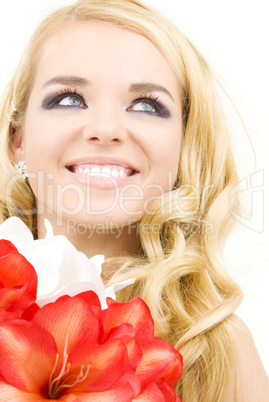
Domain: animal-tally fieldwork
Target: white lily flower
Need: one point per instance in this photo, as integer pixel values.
(60, 268)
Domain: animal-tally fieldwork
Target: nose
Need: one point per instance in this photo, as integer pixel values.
(105, 126)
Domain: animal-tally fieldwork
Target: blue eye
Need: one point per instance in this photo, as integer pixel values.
(66, 99)
(149, 106)
(144, 106)
(71, 100)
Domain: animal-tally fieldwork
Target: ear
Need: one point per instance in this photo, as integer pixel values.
(17, 147)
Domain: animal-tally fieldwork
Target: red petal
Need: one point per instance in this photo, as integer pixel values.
(168, 391)
(151, 393)
(158, 357)
(174, 373)
(69, 320)
(70, 398)
(92, 300)
(27, 355)
(15, 270)
(18, 277)
(8, 393)
(119, 392)
(6, 315)
(135, 312)
(108, 363)
(6, 247)
(126, 333)
(90, 297)
(30, 312)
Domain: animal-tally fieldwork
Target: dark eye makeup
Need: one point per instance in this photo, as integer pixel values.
(68, 98)
(150, 105)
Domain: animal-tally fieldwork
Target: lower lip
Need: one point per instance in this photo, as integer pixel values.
(102, 182)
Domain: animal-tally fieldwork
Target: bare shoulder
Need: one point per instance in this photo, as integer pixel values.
(251, 383)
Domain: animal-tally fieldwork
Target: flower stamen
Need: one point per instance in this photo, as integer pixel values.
(78, 378)
(58, 384)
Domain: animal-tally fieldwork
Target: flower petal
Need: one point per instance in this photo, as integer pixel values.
(107, 364)
(15, 270)
(158, 357)
(151, 393)
(121, 391)
(126, 333)
(6, 248)
(168, 391)
(71, 290)
(59, 265)
(111, 290)
(8, 393)
(15, 230)
(69, 320)
(27, 355)
(174, 373)
(18, 279)
(134, 312)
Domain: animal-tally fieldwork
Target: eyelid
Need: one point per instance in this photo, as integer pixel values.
(162, 110)
(52, 100)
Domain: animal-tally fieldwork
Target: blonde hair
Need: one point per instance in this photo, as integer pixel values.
(179, 273)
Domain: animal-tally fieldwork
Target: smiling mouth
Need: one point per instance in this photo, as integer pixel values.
(102, 171)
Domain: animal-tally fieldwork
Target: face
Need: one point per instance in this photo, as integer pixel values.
(103, 126)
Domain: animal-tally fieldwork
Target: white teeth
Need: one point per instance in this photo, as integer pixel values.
(115, 173)
(104, 172)
(95, 171)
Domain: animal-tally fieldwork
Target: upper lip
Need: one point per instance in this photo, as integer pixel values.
(102, 160)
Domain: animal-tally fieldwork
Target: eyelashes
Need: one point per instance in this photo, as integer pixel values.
(68, 98)
(149, 105)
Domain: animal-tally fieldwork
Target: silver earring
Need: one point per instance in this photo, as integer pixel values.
(15, 110)
(13, 106)
(21, 167)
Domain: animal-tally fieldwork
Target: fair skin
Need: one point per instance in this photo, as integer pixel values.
(251, 383)
(107, 117)
(102, 104)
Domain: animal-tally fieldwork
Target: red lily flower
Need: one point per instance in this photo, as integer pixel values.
(18, 282)
(72, 351)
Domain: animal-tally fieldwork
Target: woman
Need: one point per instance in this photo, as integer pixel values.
(115, 114)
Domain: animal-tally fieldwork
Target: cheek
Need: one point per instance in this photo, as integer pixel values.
(43, 141)
(166, 159)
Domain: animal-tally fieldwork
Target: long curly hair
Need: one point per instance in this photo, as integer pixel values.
(179, 272)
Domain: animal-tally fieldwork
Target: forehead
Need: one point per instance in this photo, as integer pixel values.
(103, 49)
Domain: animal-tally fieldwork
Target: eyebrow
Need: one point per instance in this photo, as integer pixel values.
(67, 80)
(149, 87)
(79, 81)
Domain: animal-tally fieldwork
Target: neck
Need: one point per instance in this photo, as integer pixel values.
(92, 240)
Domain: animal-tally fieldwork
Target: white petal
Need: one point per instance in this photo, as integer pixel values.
(98, 260)
(49, 229)
(61, 269)
(110, 291)
(71, 290)
(15, 230)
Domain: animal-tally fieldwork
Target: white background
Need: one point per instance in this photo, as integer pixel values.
(233, 36)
